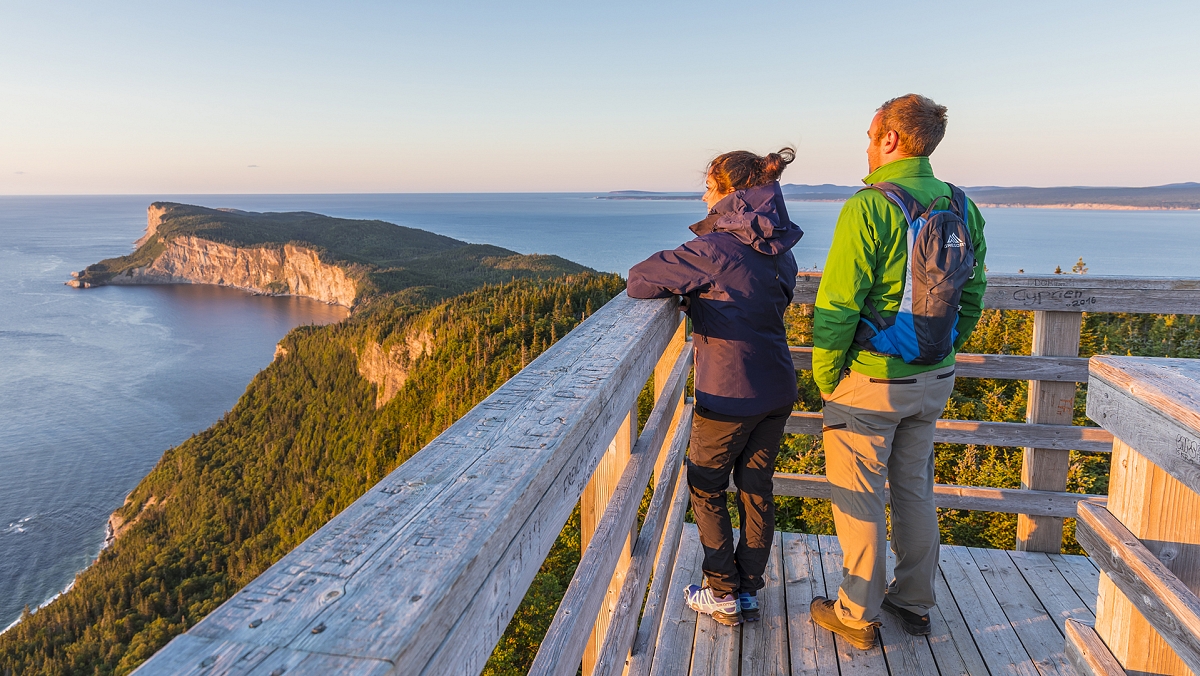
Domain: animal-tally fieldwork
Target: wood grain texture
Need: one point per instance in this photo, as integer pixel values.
(195, 656)
(1153, 406)
(811, 647)
(600, 573)
(907, 655)
(1007, 500)
(1083, 577)
(1062, 437)
(765, 643)
(1039, 634)
(1044, 468)
(1067, 293)
(618, 642)
(645, 641)
(851, 660)
(1002, 366)
(1055, 593)
(998, 643)
(391, 576)
(1155, 592)
(1087, 652)
(677, 635)
(950, 637)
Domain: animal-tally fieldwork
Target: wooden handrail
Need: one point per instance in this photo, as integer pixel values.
(1000, 366)
(1158, 594)
(1068, 293)
(562, 648)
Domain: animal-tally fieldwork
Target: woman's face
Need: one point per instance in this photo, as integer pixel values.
(713, 194)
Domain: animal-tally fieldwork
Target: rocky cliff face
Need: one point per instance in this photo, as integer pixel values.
(286, 269)
(154, 216)
(387, 368)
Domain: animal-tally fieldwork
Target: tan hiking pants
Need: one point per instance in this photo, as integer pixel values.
(875, 431)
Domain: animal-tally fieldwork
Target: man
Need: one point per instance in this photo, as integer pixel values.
(880, 410)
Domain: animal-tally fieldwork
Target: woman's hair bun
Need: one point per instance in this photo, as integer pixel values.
(742, 169)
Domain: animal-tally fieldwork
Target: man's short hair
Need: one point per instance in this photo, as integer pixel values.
(919, 121)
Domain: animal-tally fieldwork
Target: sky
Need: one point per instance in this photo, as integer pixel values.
(448, 96)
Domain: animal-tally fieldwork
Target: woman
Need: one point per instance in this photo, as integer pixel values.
(737, 278)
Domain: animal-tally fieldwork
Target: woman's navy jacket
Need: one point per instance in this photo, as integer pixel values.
(739, 276)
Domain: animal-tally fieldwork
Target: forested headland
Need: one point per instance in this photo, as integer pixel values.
(310, 435)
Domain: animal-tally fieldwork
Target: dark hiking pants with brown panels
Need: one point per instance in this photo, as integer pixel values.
(745, 446)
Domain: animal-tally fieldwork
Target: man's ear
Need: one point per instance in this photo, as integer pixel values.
(891, 142)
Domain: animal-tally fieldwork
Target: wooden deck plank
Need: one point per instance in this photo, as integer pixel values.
(998, 644)
(673, 655)
(950, 638)
(1042, 639)
(811, 647)
(1081, 573)
(765, 643)
(907, 655)
(717, 649)
(851, 660)
(1056, 594)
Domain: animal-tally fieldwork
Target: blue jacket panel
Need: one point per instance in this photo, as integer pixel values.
(739, 276)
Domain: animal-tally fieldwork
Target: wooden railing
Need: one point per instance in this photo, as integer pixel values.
(422, 574)
(1146, 539)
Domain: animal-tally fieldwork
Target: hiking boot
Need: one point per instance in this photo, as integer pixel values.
(825, 615)
(723, 609)
(917, 625)
(749, 606)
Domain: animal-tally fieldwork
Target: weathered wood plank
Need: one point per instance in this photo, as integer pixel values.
(950, 638)
(617, 644)
(1002, 366)
(811, 647)
(1088, 654)
(571, 630)
(1154, 406)
(1053, 590)
(1161, 597)
(1068, 293)
(593, 504)
(646, 641)
(851, 660)
(193, 655)
(717, 648)
(1039, 633)
(390, 576)
(765, 643)
(1063, 437)
(1045, 468)
(907, 655)
(673, 654)
(1008, 500)
(1083, 577)
(998, 643)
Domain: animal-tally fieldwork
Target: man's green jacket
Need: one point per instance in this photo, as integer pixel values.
(867, 260)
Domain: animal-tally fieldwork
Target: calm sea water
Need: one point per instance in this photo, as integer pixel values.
(96, 384)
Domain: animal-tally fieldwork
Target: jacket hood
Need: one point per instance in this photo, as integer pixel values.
(757, 217)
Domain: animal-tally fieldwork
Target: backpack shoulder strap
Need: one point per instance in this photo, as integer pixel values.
(958, 200)
(899, 196)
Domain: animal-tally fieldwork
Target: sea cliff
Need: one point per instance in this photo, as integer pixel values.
(282, 270)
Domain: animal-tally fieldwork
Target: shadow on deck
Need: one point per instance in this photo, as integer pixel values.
(999, 612)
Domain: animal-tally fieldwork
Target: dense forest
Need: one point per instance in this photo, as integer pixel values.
(306, 439)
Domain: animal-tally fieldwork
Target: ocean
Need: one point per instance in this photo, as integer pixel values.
(95, 384)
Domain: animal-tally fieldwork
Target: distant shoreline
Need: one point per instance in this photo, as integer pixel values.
(1084, 206)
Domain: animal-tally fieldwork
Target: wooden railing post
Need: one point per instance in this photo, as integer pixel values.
(592, 504)
(1053, 403)
(662, 372)
(1147, 541)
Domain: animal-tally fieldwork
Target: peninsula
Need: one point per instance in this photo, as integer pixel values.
(334, 260)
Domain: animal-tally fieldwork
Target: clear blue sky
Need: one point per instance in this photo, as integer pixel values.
(204, 97)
